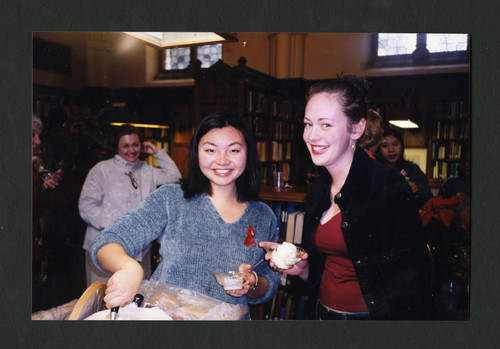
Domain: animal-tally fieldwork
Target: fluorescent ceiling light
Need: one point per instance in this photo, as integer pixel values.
(174, 39)
(403, 123)
(138, 125)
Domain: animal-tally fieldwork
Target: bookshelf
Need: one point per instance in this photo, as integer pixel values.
(450, 131)
(290, 302)
(272, 108)
(440, 105)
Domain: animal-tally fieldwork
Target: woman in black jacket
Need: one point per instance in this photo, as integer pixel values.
(391, 152)
(366, 255)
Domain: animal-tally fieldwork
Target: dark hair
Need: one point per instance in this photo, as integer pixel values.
(123, 130)
(390, 130)
(248, 184)
(352, 91)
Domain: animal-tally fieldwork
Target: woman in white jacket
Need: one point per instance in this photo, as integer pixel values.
(116, 186)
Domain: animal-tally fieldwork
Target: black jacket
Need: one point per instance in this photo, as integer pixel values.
(383, 235)
(415, 175)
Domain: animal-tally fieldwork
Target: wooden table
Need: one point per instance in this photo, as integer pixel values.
(296, 194)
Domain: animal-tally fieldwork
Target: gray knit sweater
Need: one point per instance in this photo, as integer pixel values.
(195, 240)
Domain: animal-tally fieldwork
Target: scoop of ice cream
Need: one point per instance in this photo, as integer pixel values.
(285, 255)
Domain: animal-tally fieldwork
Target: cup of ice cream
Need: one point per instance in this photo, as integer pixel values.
(286, 255)
(230, 280)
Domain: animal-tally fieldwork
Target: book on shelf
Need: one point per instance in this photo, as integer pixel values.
(288, 152)
(280, 209)
(262, 150)
(294, 227)
(289, 211)
(299, 226)
(290, 226)
(444, 169)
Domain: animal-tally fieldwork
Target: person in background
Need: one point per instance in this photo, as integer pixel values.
(210, 223)
(43, 182)
(391, 152)
(366, 254)
(459, 185)
(372, 136)
(115, 187)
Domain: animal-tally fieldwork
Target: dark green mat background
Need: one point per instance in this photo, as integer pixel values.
(20, 19)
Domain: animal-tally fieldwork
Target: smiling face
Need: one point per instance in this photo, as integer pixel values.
(391, 149)
(328, 134)
(222, 156)
(129, 147)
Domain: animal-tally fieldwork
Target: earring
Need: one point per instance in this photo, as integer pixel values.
(353, 146)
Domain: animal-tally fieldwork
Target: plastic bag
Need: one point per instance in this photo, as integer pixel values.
(61, 312)
(184, 304)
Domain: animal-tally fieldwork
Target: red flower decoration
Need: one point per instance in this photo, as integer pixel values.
(249, 239)
(447, 211)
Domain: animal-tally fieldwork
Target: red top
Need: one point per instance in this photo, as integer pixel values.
(339, 287)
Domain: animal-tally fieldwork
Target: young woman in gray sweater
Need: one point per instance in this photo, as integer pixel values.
(212, 222)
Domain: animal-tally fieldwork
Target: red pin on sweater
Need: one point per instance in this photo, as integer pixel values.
(249, 239)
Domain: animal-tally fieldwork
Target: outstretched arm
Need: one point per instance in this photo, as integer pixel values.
(127, 274)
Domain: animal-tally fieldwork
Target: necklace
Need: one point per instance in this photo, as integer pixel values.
(132, 179)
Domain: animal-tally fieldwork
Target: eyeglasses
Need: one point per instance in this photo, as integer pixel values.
(132, 179)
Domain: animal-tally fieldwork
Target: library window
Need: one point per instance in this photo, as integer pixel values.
(179, 58)
(406, 49)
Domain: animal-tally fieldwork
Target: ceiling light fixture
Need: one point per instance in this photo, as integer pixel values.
(139, 125)
(404, 123)
(178, 39)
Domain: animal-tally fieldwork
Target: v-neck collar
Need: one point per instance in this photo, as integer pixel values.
(216, 213)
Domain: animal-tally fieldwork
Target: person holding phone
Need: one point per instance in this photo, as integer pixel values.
(116, 186)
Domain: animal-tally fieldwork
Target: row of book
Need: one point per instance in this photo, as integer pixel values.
(281, 130)
(287, 303)
(261, 103)
(290, 216)
(451, 150)
(446, 130)
(455, 110)
(258, 126)
(278, 152)
(444, 169)
(281, 151)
